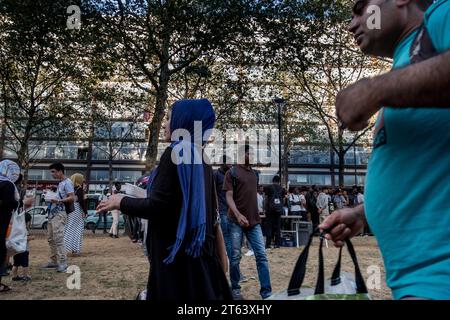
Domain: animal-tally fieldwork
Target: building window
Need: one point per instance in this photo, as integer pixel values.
(82, 153)
(310, 179)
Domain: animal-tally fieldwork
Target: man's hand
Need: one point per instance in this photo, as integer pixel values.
(356, 104)
(113, 203)
(343, 224)
(242, 220)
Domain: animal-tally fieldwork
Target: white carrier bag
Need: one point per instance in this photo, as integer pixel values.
(17, 240)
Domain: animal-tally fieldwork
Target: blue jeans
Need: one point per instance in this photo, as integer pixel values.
(255, 237)
(224, 225)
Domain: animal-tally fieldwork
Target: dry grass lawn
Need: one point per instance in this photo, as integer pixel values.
(117, 269)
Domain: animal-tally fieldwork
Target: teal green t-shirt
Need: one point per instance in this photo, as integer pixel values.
(408, 183)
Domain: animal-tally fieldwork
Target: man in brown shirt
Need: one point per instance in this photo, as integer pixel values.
(240, 185)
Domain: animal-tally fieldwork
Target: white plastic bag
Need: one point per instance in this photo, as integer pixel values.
(134, 191)
(17, 240)
(50, 195)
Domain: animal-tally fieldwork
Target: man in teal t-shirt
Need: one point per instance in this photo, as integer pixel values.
(408, 185)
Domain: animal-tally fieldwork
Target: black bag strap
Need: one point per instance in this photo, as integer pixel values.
(298, 274)
(299, 271)
(320, 284)
(336, 276)
(360, 284)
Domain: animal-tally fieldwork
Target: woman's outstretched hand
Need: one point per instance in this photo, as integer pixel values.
(113, 203)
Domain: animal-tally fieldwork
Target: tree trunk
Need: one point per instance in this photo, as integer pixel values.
(89, 156)
(285, 166)
(110, 167)
(161, 101)
(154, 130)
(2, 138)
(156, 123)
(332, 167)
(341, 156)
(23, 161)
(110, 164)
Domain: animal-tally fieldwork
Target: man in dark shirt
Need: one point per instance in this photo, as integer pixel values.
(274, 208)
(219, 177)
(240, 186)
(311, 200)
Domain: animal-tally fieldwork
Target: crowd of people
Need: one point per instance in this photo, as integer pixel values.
(198, 219)
(410, 134)
(66, 212)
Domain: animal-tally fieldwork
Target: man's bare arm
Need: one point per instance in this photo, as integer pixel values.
(231, 203)
(424, 84)
(421, 85)
(241, 219)
(70, 198)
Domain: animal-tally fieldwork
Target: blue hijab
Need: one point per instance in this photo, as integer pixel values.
(192, 223)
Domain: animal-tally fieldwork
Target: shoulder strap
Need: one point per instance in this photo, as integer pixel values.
(216, 203)
(256, 172)
(422, 47)
(233, 178)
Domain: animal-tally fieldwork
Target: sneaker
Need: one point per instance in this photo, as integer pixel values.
(17, 278)
(142, 295)
(26, 278)
(50, 265)
(243, 279)
(61, 268)
(237, 294)
(249, 253)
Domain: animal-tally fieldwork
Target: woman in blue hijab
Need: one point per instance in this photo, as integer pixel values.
(181, 209)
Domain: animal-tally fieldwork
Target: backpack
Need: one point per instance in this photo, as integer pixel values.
(276, 202)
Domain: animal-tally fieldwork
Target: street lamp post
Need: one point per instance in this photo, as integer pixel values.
(279, 102)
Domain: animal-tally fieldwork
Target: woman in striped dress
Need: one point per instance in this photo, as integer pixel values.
(73, 233)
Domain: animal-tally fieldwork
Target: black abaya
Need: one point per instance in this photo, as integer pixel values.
(187, 278)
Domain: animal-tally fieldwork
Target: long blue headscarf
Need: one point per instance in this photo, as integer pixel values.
(192, 223)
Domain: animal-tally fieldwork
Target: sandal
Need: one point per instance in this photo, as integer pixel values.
(4, 288)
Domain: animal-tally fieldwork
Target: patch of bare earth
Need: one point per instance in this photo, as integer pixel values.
(118, 269)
